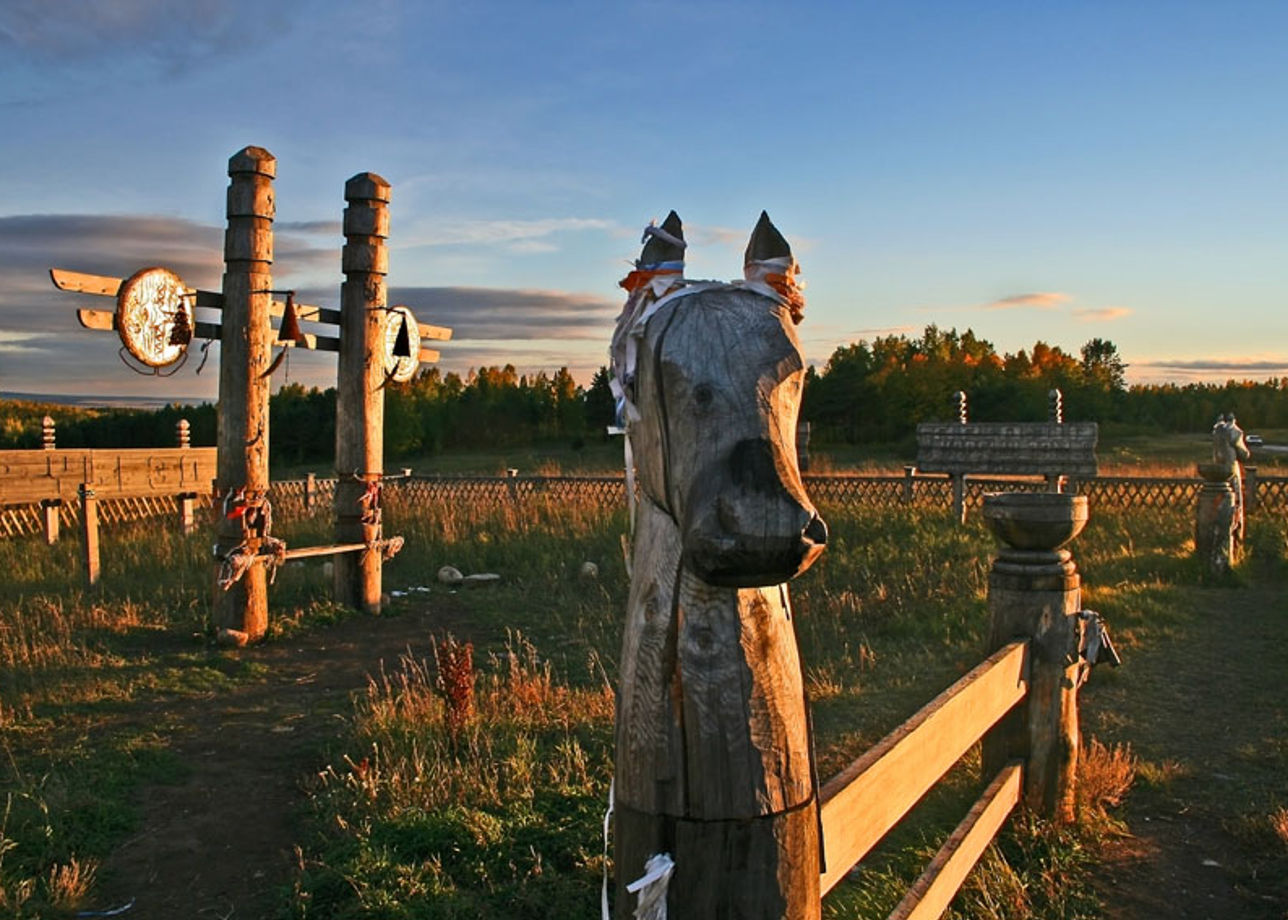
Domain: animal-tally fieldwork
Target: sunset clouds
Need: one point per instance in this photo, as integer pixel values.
(1040, 300)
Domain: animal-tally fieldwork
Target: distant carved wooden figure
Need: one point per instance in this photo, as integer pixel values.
(713, 751)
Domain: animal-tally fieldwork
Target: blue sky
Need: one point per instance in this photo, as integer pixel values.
(1028, 170)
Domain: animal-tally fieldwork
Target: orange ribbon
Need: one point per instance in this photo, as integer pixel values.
(638, 278)
(785, 284)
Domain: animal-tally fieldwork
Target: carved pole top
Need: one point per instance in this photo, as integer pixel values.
(254, 160)
(367, 186)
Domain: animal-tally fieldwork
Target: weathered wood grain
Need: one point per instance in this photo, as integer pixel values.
(713, 758)
(360, 395)
(931, 894)
(865, 800)
(36, 475)
(246, 345)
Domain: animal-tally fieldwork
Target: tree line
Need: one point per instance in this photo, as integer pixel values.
(867, 392)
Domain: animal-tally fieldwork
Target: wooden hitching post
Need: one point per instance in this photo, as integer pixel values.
(246, 351)
(360, 395)
(1036, 593)
(89, 532)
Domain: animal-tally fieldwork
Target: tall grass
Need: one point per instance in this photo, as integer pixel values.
(423, 811)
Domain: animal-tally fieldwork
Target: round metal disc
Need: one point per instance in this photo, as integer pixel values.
(148, 305)
(401, 369)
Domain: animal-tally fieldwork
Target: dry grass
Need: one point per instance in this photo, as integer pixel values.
(1105, 774)
(1279, 824)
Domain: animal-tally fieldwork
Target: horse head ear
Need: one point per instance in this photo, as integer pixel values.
(766, 242)
(664, 243)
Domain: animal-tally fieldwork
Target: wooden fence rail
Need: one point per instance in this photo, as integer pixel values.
(865, 800)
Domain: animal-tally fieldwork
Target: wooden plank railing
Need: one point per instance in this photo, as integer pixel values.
(864, 801)
(931, 894)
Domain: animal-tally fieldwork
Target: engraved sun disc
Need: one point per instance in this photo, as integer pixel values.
(149, 305)
(400, 370)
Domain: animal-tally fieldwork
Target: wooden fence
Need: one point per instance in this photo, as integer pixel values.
(860, 805)
(306, 497)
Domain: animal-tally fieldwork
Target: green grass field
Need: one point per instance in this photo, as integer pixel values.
(428, 801)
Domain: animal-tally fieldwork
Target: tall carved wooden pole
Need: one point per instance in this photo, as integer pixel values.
(246, 348)
(360, 404)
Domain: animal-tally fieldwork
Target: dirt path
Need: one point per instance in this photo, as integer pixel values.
(1209, 706)
(221, 843)
(1210, 709)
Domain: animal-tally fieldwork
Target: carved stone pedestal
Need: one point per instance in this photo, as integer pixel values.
(1216, 518)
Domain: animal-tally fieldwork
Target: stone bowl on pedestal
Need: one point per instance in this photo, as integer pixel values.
(1035, 520)
(1216, 472)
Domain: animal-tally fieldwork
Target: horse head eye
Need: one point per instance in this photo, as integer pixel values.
(703, 394)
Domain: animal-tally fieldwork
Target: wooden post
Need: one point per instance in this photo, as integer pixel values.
(1034, 592)
(49, 512)
(246, 351)
(187, 517)
(908, 473)
(310, 491)
(89, 533)
(959, 497)
(360, 395)
(1249, 488)
(47, 433)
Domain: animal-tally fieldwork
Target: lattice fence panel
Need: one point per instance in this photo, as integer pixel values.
(1133, 492)
(846, 491)
(1272, 493)
(293, 499)
(1162, 496)
(24, 520)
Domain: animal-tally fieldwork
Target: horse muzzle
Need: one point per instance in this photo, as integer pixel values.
(754, 559)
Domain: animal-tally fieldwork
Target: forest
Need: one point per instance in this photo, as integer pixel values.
(867, 392)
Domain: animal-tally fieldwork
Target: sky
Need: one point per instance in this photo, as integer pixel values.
(1031, 171)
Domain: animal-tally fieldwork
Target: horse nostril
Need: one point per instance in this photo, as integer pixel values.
(816, 531)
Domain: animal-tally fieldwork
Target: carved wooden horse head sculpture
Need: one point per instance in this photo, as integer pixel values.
(714, 394)
(713, 758)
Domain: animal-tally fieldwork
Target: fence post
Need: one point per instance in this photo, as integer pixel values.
(246, 352)
(959, 497)
(187, 517)
(360, 395)
(89, 533)
(47, 433)
(1034, 592)
(908, 473)
(1250, 488)
(310, 491)
(49, 511)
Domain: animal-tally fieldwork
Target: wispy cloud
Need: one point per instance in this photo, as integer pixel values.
(1101, 314)
(1036, 300)
(499, 315)
(173, 35)
(1233, 366)
(510, 233)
